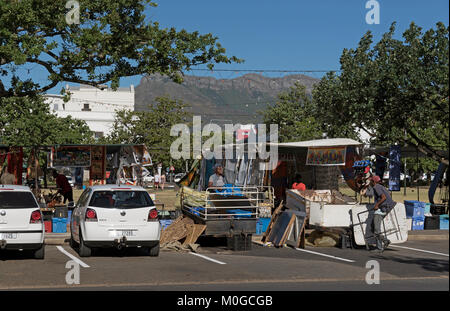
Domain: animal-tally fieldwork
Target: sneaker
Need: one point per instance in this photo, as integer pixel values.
(386, 243)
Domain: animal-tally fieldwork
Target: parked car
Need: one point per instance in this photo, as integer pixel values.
(21, 221)
(115, 216)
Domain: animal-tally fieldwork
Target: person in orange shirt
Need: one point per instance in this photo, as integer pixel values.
(298, 185)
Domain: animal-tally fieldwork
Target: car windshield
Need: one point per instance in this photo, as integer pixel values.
(17, 199)
(120, 199)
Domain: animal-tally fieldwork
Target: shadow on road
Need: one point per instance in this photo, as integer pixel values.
(435, 265)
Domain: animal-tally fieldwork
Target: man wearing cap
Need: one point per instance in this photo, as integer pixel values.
(383, 205)
(217, 179)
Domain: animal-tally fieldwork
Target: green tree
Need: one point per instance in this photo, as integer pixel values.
(113, 39)
(292, 113)
(28, 121)
(395, 90)
(151, 127)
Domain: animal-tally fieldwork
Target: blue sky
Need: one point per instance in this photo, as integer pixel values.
(290, 34)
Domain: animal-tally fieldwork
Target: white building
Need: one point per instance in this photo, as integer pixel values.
(95, 106)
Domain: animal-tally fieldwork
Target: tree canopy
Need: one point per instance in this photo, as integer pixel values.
(395, 90)
(151, 127)
(28, 121)
(113, 39)
(293, 114)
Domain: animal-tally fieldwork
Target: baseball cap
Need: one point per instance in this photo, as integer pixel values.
(376, 179)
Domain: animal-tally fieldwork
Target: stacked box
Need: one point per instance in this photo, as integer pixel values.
(418, 223)
(415, 209)
(431, 223)
(59, 225)
(48, 225)
(443, 222)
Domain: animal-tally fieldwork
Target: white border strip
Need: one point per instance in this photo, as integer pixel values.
(62, 250)
(325, 255)
(419, 250)
(207, 258)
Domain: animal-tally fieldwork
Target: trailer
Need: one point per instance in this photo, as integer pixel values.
(230, 212)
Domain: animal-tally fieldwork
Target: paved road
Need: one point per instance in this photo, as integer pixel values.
(418, 265)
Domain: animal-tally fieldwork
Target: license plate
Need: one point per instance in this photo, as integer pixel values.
(120, 233)
(8, 236)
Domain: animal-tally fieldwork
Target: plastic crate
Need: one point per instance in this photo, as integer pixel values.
(59, 225)
(438, 209)
(443, 222)
(431, 223)
(239, 242)
(262, 224)
(427, 208)
(417, 223)
(415, 209)
(48, 225)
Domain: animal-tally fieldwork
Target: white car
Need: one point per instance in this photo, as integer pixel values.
(115, 216)
(21, 223)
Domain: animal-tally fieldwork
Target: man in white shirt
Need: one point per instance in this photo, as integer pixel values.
(217, 179)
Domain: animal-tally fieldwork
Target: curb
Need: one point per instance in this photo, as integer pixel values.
(435, 237)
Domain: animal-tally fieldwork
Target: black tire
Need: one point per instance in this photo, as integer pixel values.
(39, 253)
(72, 242)
(83, 250)
(152, 251)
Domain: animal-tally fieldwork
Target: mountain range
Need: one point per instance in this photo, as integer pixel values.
(237, 100)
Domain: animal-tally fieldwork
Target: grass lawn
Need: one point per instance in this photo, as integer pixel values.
(399, 196)
(168, 196)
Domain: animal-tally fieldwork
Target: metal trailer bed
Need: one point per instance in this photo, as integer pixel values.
(230, 212)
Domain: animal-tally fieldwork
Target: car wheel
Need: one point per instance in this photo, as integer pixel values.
(39, 253)
(83, 250)
(153, 251)
(72, 242)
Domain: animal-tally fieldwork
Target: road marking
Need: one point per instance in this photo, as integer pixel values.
(62, 250)
(325, 255)
(210, 259)
(419, 250)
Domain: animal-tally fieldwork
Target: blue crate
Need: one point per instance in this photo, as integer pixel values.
(415, 209)
(418, 223)
(443, 222)
(427, 209)
(69, 216)
(264, 223)
(59, 225)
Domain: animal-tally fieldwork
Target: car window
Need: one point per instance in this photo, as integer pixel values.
(83, 198)
(17, 199)
(120, 199)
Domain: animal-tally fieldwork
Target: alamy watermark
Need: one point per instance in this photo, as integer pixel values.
(373, 275)
(222, 145)
(73, 275)
(73, 16)
(373, 15)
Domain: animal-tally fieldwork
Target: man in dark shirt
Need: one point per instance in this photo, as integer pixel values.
(63, 186)
(383, 205)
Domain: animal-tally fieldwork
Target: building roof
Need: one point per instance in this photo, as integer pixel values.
(331, 142)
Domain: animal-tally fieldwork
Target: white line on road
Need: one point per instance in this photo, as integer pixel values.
(419, 250)
(210, 259)
(325, 255)
(62, 250)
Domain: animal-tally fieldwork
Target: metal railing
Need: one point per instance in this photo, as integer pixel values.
(229, 203)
